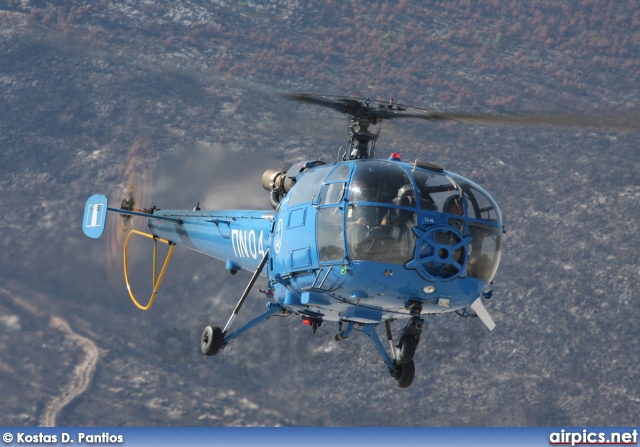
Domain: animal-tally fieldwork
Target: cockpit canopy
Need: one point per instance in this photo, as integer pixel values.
(421, 217)
(437, 191)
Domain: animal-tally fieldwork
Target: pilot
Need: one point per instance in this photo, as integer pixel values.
(406, 191)
(453, 205)
(405, 197)
(395, 231)
(357, 231)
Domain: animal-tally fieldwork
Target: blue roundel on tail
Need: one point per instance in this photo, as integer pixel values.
(95, 214)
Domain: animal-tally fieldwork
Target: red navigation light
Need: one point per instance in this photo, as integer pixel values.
(394, 156)
(307, 321)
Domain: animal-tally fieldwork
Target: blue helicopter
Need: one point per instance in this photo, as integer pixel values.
(359, 243)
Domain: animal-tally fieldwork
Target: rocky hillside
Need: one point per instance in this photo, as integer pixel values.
(94, 91)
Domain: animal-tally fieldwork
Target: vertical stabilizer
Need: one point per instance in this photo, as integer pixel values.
(95, 215)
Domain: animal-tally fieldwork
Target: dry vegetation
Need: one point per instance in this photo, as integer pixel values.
(352, 46)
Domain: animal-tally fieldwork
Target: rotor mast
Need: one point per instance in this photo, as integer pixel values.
(362, 142)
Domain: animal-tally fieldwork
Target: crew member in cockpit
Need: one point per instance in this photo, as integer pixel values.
(453, 205)
(358, 218)
(357, 232)
(395, 230)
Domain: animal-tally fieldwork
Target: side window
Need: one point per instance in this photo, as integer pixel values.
(340, 173)
(485, 250)
(332, 193)
(308, 185)
(436, 190)
(478, 203)
(479, 206)
(330, 239)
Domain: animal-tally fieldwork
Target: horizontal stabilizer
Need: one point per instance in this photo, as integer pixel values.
(482, 313)
(95, 214)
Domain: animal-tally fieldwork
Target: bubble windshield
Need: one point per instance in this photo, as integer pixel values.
(385, 201)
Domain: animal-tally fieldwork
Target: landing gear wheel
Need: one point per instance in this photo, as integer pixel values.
(405, 374)
(408, 345)
(211, 340)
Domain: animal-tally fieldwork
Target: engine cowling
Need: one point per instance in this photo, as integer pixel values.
(278, 183)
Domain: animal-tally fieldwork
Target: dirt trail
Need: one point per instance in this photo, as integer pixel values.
(82, 373)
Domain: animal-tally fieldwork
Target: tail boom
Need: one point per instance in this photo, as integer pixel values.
(241, 238)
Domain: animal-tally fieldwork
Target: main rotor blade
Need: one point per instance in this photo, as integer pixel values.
(377, 110)
(363, 108)
(621, 121)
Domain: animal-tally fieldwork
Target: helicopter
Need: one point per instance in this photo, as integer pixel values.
(358, 243)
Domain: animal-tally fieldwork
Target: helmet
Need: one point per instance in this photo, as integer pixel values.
(454, 205)
(406, 190)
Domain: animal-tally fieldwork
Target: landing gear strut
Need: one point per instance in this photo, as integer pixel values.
(402, 372)
(213, 338)
(400, 360)
(410, 336)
